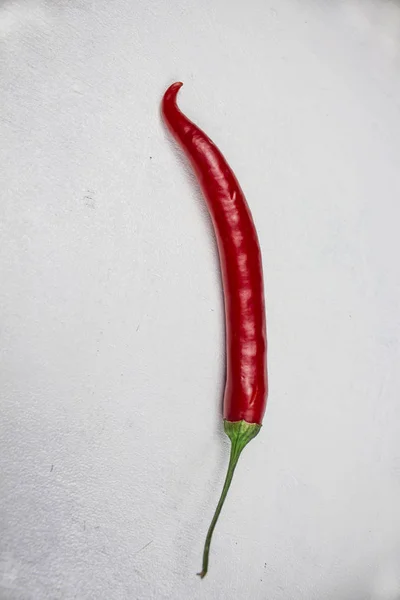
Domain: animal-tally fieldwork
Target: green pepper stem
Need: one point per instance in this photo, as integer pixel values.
(240, 433)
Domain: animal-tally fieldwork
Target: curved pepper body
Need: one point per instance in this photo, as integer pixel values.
(240, 257)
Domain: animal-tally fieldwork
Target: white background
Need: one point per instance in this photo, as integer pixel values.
(112, 453)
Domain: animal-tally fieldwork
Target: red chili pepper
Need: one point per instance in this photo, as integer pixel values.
(246, 343)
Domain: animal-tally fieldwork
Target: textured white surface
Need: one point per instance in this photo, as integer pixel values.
(112, 454)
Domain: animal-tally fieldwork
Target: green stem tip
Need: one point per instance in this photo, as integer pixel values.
(240, 433)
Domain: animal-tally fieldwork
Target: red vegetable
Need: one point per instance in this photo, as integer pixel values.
(247, 381)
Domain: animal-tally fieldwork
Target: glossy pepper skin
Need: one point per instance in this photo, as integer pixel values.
(239, 251)
(240, 257)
